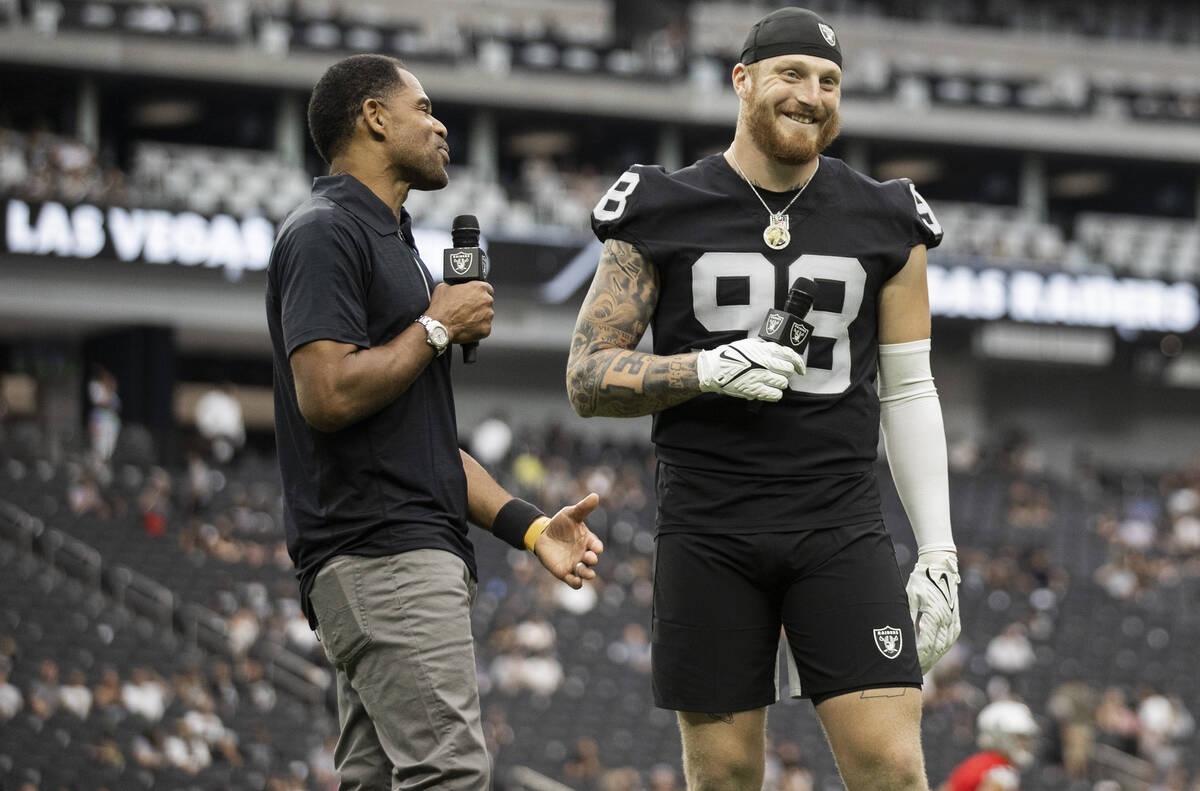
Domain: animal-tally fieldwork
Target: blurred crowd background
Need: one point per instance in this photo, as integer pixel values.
(150, 636)
(119, 576)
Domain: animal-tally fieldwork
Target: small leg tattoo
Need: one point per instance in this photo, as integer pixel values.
(883, 693)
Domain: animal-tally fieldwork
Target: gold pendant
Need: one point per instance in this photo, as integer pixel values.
(776, 234)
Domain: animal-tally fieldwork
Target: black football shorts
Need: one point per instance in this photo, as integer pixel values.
(721, 600)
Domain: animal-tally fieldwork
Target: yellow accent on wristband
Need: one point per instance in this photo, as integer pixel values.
(536, 529)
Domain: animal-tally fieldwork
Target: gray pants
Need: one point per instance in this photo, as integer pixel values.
(397, 630)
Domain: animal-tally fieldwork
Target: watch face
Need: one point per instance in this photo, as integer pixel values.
(439, 336)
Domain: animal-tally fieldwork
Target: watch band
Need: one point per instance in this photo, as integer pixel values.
(434, 328)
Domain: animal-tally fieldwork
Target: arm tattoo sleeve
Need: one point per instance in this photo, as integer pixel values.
(605, 376)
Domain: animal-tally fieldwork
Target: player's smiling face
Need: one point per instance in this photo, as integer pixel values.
(790, 105)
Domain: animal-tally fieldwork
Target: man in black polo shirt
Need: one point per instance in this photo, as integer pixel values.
(377, 492)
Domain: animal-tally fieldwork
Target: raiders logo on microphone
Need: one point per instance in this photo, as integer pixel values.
(799, 333)
(460, 261)
(773, 322)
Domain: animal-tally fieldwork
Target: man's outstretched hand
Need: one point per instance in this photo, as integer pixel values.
(567, 548)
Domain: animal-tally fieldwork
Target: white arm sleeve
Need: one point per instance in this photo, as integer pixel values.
(915, 440)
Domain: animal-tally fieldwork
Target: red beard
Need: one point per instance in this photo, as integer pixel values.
(760, 121)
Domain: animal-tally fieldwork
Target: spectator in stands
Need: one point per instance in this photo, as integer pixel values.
(295, 627)
(663, 777)
(11, 699)
(737, 554)
(358, 357)
(225, 690)
(261, 692)
(154, 502)
(145, 695)
(491, 440)
(147, 747)
(1029, 506)
(526, 659)
(106, 698)
(1119, 576)
(243, 630)
(543, 673)
(107, 753)
(199, 490)
(1011, 652)
(790, 772)
(320, 763)
(104, 420)
(583, 766)
(624, 778)
(79, 176)
(219, 420)
(259, 750)
(44, 692)
(84, 496)
(1073, 706)
(75, 695)
(1116, 723)
(633, 649)
(1163, 724)
(497, 730)
(14, 170)
(185, 749)
(945, 685)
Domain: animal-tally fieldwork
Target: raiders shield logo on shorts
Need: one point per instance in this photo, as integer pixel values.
(888, 641)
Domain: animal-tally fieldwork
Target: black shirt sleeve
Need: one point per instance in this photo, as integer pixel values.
(626, 210)
(923, 225)
(323, 281)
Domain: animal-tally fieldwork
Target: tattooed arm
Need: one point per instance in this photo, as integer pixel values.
(605, 376)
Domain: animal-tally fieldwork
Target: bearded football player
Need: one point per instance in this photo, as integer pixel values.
(769, 511)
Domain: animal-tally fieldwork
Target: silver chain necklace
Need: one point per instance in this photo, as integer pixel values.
(776, 234)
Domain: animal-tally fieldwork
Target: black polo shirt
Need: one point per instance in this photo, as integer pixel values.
(343, 269)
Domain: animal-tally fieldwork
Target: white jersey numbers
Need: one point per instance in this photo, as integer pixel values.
(749, 279)
(714, 270)
(925, 213)
(612, 203)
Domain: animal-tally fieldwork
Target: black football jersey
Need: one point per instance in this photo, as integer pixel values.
(807, 460)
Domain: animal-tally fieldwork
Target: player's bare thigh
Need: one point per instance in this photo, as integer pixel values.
(875, 735)
(723, 751)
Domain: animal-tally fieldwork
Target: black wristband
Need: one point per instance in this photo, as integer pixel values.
(513, 519)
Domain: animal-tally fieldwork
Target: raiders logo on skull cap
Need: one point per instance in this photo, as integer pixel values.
(791, 31)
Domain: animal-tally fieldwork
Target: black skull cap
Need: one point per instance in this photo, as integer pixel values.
(791, 31)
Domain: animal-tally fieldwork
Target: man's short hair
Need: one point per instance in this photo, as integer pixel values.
(338, 96)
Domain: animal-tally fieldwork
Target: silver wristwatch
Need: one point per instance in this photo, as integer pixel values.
(436, 334)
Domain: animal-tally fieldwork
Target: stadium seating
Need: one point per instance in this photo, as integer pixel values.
(1078, 586)
(209, 180)
(557, 666)
(261, 735)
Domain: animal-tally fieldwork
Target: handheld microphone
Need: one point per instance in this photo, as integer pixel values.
(464, 262)
(787, 327)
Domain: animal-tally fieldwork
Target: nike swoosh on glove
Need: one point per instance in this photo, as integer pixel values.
(933, 604)
(752, 368)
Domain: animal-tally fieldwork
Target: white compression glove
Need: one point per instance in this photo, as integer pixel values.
(911, 418)
(752, 368)
(933, 604)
